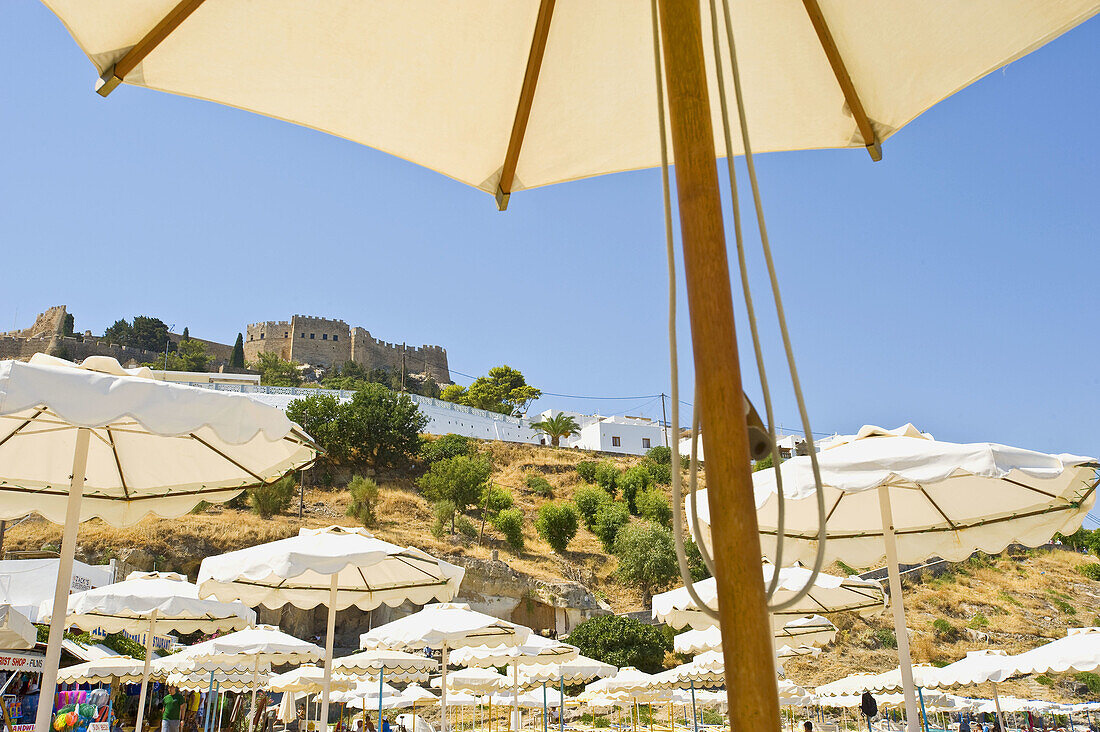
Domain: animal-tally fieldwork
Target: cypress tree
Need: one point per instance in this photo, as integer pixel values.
(236, 360)
(186, 334)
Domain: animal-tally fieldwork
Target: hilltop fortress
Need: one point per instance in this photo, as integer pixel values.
(328, 343)
(314, 341)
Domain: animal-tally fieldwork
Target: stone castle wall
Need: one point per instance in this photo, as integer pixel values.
(325, 342)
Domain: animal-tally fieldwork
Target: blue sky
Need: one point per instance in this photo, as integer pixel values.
(951, 285)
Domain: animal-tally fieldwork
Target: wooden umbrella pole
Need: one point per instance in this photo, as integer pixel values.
(750, 681)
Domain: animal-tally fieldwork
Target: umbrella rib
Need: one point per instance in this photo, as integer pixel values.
(218, 452)
(844, 79)
(835, 505)
(27, 421)
(526, 97)
(118, 463)
(938, 509)
(114, 76)
(1031, 488)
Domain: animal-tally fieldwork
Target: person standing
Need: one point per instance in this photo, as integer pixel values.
(172, 710)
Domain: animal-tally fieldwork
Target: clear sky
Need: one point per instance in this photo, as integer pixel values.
(951, 285)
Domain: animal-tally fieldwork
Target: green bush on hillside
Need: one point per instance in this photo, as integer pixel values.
(1090, 570)
(510, 523)
(610, 518)
(647, 557)
(622, 641)
(557, 525)
(443, 513)
(539, 485)
(1090, 680)
(943, 629)
(364, 499)
(607, 476)
(586, 469)
(447, 446)
(886, 638)
(653, 505)
(633, 481)
(269, 499)
(589, 498)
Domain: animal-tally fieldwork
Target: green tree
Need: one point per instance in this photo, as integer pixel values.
(652, 504)
(557, 525)
(190, 355)
(510, 523)
(556, 427)
(186, 334)
(120, 332)
(236, 359)
(453, 393)
(610, 518)
(274, 371)
(493, 500)
(696, 564)
(364, 499)
(622, 641)
(447, 446)
(589, 499)
(647, 558)
(633, 481)
(150, 334)
(607, 475)
(69, 327)
(504, 390)
(586, 469)
(318, 415)
(539, 486)
(461, 480)
(661, 455)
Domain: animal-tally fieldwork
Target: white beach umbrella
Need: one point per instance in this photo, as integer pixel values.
(785, 652)
(446, 626)
(305, 679)
(95, 440)
(237, 680)
(633, 684)
(830, 594)
(580, 670)
(902, 496)
(536, 650)
(476, 680)
(385, 664)
(1078, 651)
(148, 602)
(255, 648)
(809, 631)
(16, 630)
(338, 567)
(979, 667)
(415, 693)
(106, 670)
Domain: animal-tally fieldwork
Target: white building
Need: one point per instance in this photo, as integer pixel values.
(626, 435)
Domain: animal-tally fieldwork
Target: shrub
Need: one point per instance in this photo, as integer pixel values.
(607, 476)
(510, 523)
(1010, 599)
(978, 622)
(1090, 570)
(587, 470)
(461, 480)
(495, 499)
(653, 505)
(269, 499)
(632, 482)
(444, 513)
(364, 498)
(1044, 680)
(622, 641)
(1090, 680)
(647, 557)
(660, 455)
(447, 446)
(540, 486)
(610, 518)
(589, 498)
(886, 638)
(557, 524)
(660, 472)
(943, 629)
(466, 527)
(696, 564)
(1063, 606)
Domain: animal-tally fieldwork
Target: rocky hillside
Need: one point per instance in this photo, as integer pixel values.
(1013, 601)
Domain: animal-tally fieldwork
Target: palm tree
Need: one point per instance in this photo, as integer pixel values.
(556, 427)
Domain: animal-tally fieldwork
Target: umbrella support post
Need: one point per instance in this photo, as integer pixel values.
(515, 721)
(561, 707)
(544, 706)
(923, 711)
(997, 704)
(208, 708)
(143, 695)
(48, 687)
(255, 683)
(334, 585)
(750, 683)
(694, 712)
(381, 673)
(905, 661)
(442, 692)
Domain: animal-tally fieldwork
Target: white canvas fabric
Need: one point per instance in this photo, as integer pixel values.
(706, 669)
(397, 666)
(978, 667)
(305, 679)
(298, 571)
(813, 631)
(450, 624)
(417, 693)
(477, 680)
(16, 630)
(1078, 651)
(331, 66)
(129, 606)
(360, 690)
(227, 680)
(262, 643)
(104, 671)
(631, 684)
(830, 594)
(580, 670)
(947, 499)
(137, 462)
(536, 650)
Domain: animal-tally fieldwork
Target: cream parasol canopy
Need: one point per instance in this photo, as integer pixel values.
(446, 626)
(146, 602)
(16, 629)
(513, 96)
(1078, 651)
(385, 664)
(812, 631)
(336, 566)
(96, 440)
(979, 667)
(829, 594)
(104, 670)
(903, 496)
